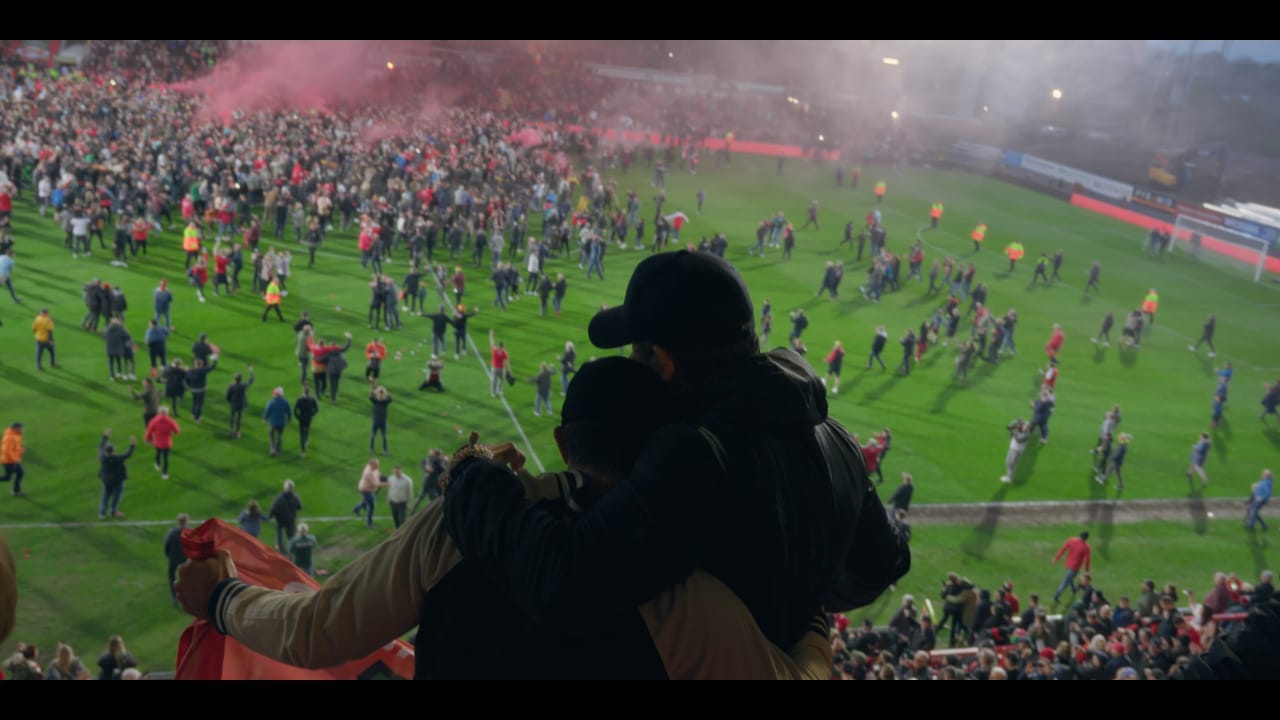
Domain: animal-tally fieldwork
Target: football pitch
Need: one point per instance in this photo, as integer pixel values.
(82, 579)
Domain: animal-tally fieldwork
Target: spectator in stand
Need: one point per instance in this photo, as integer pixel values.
(115, 660)
(66, 666)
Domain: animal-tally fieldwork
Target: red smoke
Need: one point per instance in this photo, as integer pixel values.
(297, 74)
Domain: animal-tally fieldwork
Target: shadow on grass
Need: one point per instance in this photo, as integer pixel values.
(1197, 508)
(1027, 463)
(955, 386)
(882, 389)
(1102, 514)
(1128, 356)
(53, 383)
(1273, 435)
(1206, 365)
(984, 532)
(1099, 355)
(921, 300)
(1258, 547)
(1223, 429)
(1219, 446)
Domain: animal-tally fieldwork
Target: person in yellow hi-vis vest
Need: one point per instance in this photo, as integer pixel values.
(273, 300)
(935, 214)
(979, 234)
(191, 243)
(1150, 304)
(1015, 252)
(881, 187)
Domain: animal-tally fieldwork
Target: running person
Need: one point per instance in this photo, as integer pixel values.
(1095, 270)
(1206, 336)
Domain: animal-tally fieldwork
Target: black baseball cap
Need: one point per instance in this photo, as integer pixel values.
(680, 300)
(617, 388)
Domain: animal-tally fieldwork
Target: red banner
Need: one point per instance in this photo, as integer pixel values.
(204, 654)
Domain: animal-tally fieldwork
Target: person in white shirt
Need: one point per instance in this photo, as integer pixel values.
(534, 267)
(44, 189)
(80, 234)
(399, 493)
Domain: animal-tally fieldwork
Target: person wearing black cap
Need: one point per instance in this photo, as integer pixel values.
(696, 630)
(740, 479)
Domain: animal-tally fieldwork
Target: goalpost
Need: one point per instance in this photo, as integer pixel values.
(1215, 243)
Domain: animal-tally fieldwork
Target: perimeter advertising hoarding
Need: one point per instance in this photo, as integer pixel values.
(1088, 181)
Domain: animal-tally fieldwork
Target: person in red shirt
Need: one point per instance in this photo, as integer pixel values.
(6, 203)
(499, 366)
(459, 284)
(1055, 344)
(141, 228)
(1079, 556)
(221, 259)
(1050, 377)
(375, 352)
(871, 455)
(200, 275)
(160, 432)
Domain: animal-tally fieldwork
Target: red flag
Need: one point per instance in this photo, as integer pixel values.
(204, 654)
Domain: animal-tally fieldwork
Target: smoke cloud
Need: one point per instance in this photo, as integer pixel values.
(296, 75)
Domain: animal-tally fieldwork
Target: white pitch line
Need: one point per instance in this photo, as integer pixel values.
(533, 455)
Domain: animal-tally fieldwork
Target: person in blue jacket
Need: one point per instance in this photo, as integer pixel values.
(276, 415)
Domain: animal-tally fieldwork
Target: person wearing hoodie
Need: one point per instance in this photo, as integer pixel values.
(276, 415)
(238, 399)
(112, 472)
(160, 432)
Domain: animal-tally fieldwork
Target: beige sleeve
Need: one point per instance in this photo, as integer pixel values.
(367, 604)
(8, 590)
(703, 631)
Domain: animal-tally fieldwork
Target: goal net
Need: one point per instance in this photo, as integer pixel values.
(1219, 245)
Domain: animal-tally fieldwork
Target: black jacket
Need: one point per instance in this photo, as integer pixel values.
(439, 322)
(111, 468)
(305, 409)
(471, 629)
(285, 508)
(175, 382)
(761, 489)
(901, 498)
(238, 394)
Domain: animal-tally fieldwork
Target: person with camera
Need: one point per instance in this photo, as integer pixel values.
(1019, 434)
